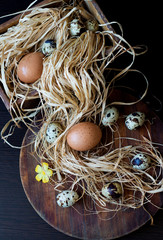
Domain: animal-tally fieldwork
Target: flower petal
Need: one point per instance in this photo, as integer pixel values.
(38, 169)
(39, 177)
(49, 172)
(45, 179)
(45, 165)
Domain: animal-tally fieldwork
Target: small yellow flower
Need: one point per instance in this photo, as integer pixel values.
(44, 173)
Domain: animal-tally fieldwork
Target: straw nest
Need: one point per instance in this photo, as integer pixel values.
(73, 88)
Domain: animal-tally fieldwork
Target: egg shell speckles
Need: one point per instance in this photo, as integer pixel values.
(92, 25)
(67, 198)
(75, 27)
(48, 47)
(53, 132)
(84, 136)
(111, 115)
(112, 190)
(135, 120)
(140, 161)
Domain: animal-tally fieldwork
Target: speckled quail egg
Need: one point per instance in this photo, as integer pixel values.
(75, 27)
(140, 161)
(53, 131)
(135, 120)
(48, 47)
(67, 198)
(111, 115)
(112, 190)
(92, 25)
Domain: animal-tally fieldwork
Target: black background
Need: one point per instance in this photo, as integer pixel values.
(142, 24)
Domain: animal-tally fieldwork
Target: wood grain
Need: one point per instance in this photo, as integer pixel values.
(43, 197)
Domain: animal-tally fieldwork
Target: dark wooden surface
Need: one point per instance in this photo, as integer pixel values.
(43, 197)
(142, 24)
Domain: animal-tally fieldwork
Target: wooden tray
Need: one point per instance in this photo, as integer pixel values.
(43, 197)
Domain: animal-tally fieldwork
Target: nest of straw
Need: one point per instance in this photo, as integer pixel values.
(73, 88)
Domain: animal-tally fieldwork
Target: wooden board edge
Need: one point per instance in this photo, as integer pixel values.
(13, 21)
(5, 99)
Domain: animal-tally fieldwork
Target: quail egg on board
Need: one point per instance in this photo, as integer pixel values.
(111, 115)
(53, 131)
(140, 161)
(67, 198)
(112, 190)
(135, 120)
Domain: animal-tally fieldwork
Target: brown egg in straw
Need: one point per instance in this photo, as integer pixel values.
(72, 88)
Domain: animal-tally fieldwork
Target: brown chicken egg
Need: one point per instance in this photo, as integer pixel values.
(30, 67)
(84, 136)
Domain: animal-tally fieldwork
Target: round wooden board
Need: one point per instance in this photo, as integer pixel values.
(105, 225)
